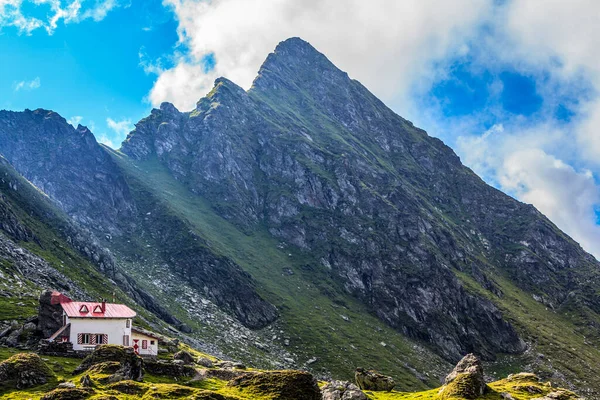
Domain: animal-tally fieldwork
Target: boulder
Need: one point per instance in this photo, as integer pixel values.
(171, 369)
(340, 390)
(184, 356)
(86, 381)
(50, 314)
(223, 374)
(559, 395)
(24, 370)
(205, 362)
(281, 385)
(466, 380)
(68, 394)
(372, 380)
(129, 387)
(131, 365)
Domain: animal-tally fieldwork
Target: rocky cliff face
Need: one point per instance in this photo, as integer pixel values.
(85, 182)
(328, 168)
(67, 164)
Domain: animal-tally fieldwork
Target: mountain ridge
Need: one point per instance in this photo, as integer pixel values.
(307, 180)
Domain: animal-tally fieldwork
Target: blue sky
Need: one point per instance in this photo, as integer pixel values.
(90, 69)
(512, 86)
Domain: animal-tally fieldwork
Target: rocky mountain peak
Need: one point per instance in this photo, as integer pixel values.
(297, 62)
(168, 108)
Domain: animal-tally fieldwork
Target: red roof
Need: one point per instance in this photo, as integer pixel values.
(83, 309)
(58, 298)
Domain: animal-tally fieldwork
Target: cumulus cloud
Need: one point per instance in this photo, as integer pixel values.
(386, 44)
(28, 85)
(121, 128)
(516, 160)
(567, 196)
(72, 11)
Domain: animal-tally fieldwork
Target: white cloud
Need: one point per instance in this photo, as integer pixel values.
(28, 85)
(568, 197)
(69, 11)
(75, 120)
(516, 160)
(104, 139)
(387, 44)
(121, 128)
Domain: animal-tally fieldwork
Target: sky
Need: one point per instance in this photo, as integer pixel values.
(513, 86)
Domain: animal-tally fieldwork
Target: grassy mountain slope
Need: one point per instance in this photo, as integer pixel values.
(317, 318)
(42, 249)
(563, 347)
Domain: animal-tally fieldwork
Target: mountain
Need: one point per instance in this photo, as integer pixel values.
(304, 223)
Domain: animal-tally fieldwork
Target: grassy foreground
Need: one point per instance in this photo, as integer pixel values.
(209, 384)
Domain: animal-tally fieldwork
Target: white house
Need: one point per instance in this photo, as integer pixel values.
(145, 342)
(88, 324)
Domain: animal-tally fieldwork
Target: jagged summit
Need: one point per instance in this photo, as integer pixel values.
(296, 62)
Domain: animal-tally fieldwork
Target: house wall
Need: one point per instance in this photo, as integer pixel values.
(152, 349)
(114, 328)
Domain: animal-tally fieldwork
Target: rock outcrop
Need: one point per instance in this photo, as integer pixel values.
(24, 370)
(372, 380)
(127, 365)
(281, 385)
(50, 314)
(466, 380)
(184, 356)
(341, 390)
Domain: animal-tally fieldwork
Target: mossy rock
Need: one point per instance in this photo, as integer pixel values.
(281, 385)
(560, 394)
(170, 369)
(523, 377)
(131, 365)
(106, 367)
(107, 352)
(168, 391)
(68, 394)
(464, 386)
(129, 387)
(24, 370)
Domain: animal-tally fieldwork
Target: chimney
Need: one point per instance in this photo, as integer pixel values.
(103, 305)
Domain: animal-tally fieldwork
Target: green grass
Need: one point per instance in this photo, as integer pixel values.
(521, 387)
(551, 333)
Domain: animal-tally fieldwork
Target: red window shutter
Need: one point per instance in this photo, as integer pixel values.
(104, 339)
(79, 338)
(93, 339)
(144, 344)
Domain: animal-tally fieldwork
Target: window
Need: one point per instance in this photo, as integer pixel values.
(84, 309)
(128, 324)
(99, 338)
(144, 344)
(125, 340)
(152, 343)
(97, 309)
(83, 338)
